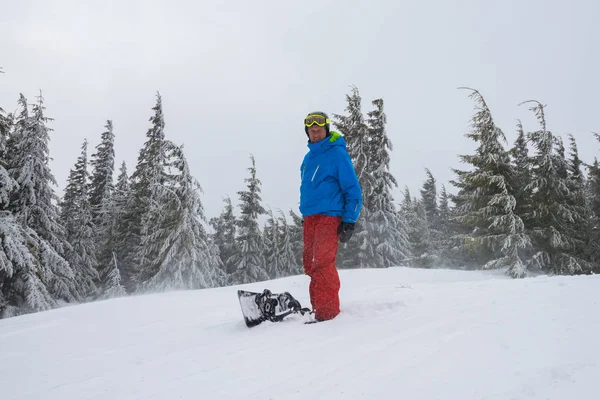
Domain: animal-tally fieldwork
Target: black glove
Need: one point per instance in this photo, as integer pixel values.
(345, 231)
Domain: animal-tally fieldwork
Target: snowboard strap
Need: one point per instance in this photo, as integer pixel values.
(275, 307)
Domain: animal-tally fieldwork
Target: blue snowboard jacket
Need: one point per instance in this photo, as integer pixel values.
(329, 183)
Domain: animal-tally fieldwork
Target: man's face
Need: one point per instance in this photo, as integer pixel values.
(316, 133)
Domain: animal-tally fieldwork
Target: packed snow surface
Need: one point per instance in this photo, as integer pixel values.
(402, 334)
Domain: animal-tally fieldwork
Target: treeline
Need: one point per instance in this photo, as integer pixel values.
(147, 232)
(526, 207)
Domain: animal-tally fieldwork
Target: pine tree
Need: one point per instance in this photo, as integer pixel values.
(444, 212)
(117, 244)
(13, 251)
(33, 204)
(113, 287)
(7, 184)
(184, 258)
(224, 235)
(388, 235)
(551, 214)
(103, 164)
(354, 128)
(413, 213)
(28, 157)
(249, 259)
(25, 278)
(594, 187)
(593, 194)
(100, 190)
(272, 246)
(522, 174)
(296, 232)
(76, 217)
(578, 199)
(357, 253)
(287, 249)
(429, 201)
(5, 126)
(358, 139)
(144, 207)
(446, 230)
(485, 202)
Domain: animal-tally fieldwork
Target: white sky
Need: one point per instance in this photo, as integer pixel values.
(237, 77)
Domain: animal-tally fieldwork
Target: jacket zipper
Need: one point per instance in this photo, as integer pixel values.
(313, 177)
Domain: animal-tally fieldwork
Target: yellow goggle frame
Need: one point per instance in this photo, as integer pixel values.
(316, 119)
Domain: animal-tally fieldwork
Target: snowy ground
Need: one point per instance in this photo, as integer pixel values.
(402, 334)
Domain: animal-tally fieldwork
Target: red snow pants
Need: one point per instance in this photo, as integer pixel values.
(320, 250)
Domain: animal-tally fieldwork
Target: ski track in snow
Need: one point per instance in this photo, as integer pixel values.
(402, 333)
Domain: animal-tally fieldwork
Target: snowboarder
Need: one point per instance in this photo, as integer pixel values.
(330, 203)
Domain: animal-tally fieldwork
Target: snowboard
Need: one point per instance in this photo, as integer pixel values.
(267, 306)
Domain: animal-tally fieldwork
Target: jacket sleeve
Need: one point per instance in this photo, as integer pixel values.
(351, 190)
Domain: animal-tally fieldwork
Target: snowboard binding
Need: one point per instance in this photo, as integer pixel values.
(267, 306)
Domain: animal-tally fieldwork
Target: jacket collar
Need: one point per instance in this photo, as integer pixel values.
(324, 144)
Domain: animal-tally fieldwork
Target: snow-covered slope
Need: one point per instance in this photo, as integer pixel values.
(402, 334)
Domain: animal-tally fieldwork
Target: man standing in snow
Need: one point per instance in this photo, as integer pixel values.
(330, 203)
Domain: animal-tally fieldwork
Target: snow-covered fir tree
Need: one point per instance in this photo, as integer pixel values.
(183, 255)
(521, 174)
(358, 141)
(429, 202)
(429, 199)
(224, 235)
(144, 207)
(117, 244)
(5, 124)
(7, 184)
(113, 287)
(272, 246)
(33, 275)
(296, 232)
(485, 202)
(412, 211)
(388, 236)
(76, 217)
(103, 167)
(280, 250)
(356, 253)
(287, 247)
(25, 278)
(33, 203)
(593, 187)
(551, 215)
(13, 251)
(430, 226)
(593, 194)
(100, 191)
(249, 258)
(444, 211)
(446, 230)
(583, 231)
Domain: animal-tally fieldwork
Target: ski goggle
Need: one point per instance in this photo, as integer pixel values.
(316, 119)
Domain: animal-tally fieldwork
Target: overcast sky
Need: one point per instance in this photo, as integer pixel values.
(237, 77)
